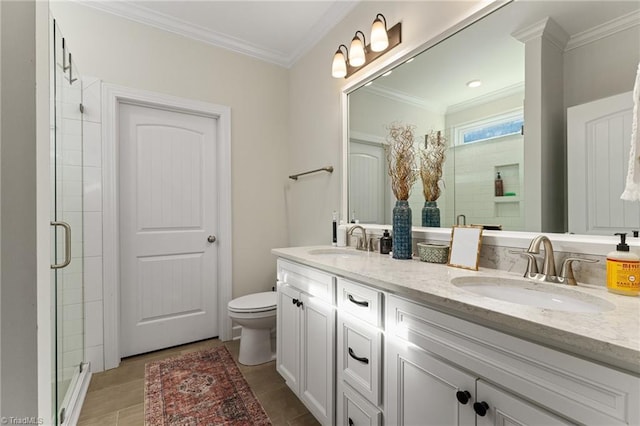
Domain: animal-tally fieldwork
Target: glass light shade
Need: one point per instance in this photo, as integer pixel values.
(379, 38)
(356, 53)
(339, 66)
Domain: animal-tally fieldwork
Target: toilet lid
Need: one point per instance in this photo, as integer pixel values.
(257, 302)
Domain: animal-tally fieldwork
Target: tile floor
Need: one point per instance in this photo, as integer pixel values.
(116, 397)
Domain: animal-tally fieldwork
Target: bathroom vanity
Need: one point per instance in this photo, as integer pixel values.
(367, 339)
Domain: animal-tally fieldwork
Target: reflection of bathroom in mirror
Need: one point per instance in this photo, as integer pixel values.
(591, 51)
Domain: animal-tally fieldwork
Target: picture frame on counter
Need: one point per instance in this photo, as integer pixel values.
(465, 244)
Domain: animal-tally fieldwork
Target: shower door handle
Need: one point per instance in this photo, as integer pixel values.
(67, 244)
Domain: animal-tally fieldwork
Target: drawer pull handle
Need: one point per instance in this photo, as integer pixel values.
(480, 408)
(463, 397)
(358, 358)
(358, 302)
(350, 422)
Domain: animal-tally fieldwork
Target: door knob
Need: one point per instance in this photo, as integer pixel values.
(211, 238)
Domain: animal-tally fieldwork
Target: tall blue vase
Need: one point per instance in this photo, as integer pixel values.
(402, 230)
(431, 214)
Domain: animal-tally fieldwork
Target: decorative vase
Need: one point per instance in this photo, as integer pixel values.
(431, 214)
(402, 230)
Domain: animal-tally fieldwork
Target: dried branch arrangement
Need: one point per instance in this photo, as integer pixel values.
(431, 161)
(400, 155)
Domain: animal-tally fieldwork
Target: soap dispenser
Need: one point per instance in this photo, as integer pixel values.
(386, 243)
(623, 270)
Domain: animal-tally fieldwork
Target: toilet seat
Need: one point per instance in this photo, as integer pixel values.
(257, 302)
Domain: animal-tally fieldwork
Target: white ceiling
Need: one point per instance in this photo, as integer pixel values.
(275, 31)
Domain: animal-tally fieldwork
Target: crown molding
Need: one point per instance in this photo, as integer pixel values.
(606, 29)
(405, 98)
(144, 15)
(489, 97)
(547, 28)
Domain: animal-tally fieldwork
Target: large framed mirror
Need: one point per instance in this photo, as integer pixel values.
(538, 62)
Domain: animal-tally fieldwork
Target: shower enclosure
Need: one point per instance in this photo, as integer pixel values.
(69, 369)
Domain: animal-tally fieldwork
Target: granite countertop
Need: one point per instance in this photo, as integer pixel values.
(611, 337)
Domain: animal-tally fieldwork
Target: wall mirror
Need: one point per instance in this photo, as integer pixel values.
(514, 123)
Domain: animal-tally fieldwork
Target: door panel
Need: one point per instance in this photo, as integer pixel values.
(598, 135)
(422, 389)
(168, 206)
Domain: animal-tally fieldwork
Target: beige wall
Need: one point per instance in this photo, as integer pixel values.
(18, 277)
(315, 117)
(126, 53)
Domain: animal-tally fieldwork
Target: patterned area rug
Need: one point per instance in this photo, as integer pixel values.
(199, 388)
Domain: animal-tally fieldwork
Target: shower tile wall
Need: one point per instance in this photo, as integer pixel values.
(92, 170)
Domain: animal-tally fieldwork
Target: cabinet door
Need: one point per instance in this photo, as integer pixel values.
(505, 409)
(317, 358)
(422, 390)
(288, 336)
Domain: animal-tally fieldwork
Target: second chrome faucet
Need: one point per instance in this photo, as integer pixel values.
(549, 273)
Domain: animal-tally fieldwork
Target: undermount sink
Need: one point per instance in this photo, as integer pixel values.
(528, 293)
(344, 253)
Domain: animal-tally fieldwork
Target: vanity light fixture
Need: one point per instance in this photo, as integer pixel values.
(356, 53)
(348, 61)
(379, 37)
(339, 67)
(474, 83)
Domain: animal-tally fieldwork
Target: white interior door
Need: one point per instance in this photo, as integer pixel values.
(598, 142)
(167, 211)
(367, 182)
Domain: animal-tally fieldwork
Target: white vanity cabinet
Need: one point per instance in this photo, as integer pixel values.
(306, 335)
(431, 356)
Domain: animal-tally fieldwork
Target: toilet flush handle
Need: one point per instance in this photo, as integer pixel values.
(211, 238)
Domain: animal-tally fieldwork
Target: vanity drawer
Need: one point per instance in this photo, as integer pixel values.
(353, 410)
(360, 301)
(359, 356)
(309, 280)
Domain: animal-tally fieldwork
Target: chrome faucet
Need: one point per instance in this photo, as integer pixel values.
(549, 263)
(548, 273)
(362, 244)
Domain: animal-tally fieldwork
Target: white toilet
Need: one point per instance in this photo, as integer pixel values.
(256, 313)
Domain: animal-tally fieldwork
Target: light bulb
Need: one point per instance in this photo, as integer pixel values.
(379, 37)
(356, 52)
(339, 66)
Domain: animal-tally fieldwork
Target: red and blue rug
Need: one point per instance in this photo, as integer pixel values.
(199, 389)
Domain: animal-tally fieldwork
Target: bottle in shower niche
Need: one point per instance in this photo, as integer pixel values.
(499, 187)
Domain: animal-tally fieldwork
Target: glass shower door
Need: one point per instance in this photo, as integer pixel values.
(67, 226)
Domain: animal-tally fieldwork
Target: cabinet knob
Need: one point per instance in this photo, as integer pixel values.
(299, 303)
(463, 397)
(350, 422)
(294, 301)
(480, 408)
